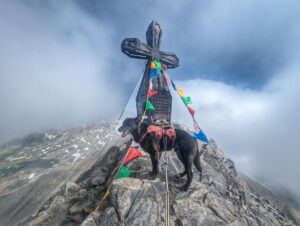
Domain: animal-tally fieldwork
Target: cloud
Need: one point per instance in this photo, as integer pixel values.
(55, 68)
(258, 129)
(240, 43)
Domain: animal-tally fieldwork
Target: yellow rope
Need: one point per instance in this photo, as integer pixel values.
(106, 194)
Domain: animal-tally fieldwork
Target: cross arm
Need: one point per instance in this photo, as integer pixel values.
(169, 59)
(134, 48)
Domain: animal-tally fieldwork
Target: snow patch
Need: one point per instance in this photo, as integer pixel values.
(77, 157)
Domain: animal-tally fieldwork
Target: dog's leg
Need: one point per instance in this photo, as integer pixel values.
(183, 173)
(197, 160)
(153, 174)
(178, 152)
(188, 169)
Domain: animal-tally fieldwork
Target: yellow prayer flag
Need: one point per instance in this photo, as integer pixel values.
(180, 91)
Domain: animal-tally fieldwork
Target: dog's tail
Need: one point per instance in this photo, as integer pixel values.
(197, 159)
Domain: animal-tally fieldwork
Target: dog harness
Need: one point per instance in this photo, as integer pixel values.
(159, 132)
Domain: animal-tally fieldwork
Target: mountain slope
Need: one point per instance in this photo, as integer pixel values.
(35, 167)
(221, 198)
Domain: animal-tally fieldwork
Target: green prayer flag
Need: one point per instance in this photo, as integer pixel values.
(158, 65)
(186, 100)
(124, 172)
(149, 106)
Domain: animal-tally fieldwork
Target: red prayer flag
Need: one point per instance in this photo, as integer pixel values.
(168, 79)
(151, 93)
(132, 154)
(196, 126)
(191, 110)
(150, 84)
(164, 67)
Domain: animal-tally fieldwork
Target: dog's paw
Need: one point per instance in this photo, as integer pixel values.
(182, 174)
(184, 188)
(151, 176)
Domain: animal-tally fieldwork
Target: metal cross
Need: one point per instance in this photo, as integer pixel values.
(134, 48)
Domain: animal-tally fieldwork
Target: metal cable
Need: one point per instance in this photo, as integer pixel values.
(167, 201)
(141, 72)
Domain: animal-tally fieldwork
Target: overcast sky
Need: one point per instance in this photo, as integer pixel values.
(61, 66)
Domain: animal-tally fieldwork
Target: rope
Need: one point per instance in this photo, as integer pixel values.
(167, 201)
(141, 72)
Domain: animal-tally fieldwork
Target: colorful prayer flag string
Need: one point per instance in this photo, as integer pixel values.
(156, 67)
(199, 133)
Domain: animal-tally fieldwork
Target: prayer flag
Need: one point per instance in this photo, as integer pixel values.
(180, 91)
(168, 79)
(191, 110)
(149, 106)
(158, 65)
(164, 67)
(196, 126)
(200, 136)
(186, 100)
(152, 65)
(154, 73)
(152, 93)
(150, 84)
(124, 172)
(132, 154)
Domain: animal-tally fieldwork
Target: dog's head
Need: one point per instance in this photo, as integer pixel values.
(129, 125)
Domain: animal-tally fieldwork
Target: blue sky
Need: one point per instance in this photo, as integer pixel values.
(61, 66)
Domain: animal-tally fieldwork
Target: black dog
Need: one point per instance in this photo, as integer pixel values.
(185, 146)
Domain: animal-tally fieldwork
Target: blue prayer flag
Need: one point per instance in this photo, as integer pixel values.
(154, 73)
(200, 136)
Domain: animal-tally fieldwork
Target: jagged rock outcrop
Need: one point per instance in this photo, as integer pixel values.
(221, 198)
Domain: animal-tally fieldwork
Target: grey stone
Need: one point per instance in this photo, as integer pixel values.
(98, 180)
(108, 217)
(81, 206)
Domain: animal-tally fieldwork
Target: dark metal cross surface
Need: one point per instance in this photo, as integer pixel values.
(134, 48)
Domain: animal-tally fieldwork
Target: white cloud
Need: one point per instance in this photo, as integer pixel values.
(258, 129)
(55, 68)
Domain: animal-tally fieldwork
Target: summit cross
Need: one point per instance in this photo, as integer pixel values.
(134, 48)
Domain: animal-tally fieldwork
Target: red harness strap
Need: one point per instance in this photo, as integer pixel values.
(159, 132)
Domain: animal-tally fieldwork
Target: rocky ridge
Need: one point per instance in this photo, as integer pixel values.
(221, 198)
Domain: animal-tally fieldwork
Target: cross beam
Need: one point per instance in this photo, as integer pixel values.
(134, 48)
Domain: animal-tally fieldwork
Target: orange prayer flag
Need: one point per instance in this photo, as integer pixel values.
(151, 93)
(132, 154)
(152, 66)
